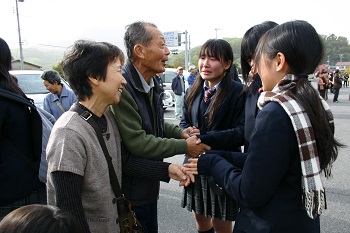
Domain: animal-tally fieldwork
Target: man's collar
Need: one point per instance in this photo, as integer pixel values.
(147, 88)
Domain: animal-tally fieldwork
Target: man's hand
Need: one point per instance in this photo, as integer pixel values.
(194, 149)
(190, 131)
(175, 173)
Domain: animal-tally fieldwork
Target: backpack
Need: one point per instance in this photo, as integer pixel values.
(47, 121)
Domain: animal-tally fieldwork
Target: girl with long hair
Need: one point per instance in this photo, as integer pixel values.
(214, 106)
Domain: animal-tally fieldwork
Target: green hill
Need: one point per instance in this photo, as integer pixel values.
(44, 57)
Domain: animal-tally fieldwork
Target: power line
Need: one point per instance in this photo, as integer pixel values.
(55, 46)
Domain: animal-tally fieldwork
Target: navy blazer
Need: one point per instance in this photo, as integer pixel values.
(251, 110)
(268, 189)
(228, 127)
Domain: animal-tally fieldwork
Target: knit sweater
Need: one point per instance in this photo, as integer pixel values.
(73, 147)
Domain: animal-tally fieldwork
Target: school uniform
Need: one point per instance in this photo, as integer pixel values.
(226, 133)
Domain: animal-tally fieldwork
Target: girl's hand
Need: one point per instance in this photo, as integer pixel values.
(191, 167)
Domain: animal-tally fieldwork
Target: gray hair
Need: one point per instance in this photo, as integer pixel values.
(136, 33)
(51, 76)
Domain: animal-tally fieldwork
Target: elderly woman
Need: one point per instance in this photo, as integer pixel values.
(78, 179)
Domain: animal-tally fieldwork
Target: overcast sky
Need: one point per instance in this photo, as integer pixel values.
(61, 22)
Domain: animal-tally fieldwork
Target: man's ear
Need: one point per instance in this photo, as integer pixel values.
(139, 50)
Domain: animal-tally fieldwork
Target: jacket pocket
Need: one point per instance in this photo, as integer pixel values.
(248, 222)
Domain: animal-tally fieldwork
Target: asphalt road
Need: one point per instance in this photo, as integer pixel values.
(335, 219)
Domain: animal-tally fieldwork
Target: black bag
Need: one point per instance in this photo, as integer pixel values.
(128, 223)
(127, 220)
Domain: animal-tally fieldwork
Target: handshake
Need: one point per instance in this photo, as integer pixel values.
(185, 174)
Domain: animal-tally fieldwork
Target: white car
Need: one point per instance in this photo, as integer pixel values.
(168, 100)
(32, 85)
(167, 77)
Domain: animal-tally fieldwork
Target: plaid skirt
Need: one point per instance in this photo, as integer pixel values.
(35, 197)
(203, 198)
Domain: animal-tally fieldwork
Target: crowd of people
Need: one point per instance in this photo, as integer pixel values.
(283, 124)
(332, 82)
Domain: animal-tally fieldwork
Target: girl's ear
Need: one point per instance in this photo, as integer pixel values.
(228, 64)
(280, 62)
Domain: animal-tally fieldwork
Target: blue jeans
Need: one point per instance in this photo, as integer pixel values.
(148, 217)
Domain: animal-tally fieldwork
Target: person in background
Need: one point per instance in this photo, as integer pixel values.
(178, 87)
(192, 77)
(140, 118)
(215, 106)
(337, 84)
(158, 77)
(346, 80)
(61, 97)
(20, 143)
(321, 81)
(78, 180)
(39, 219)
(292, 143)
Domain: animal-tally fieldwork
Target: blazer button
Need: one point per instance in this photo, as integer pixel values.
(114, 200)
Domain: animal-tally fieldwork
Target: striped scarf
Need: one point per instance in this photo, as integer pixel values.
(314, 197)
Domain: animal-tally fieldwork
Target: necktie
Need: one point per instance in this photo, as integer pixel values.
(208, 94)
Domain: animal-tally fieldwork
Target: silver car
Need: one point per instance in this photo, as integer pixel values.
(32, 85)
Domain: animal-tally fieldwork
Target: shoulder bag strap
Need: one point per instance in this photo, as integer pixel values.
(60, 105)
(87, 116)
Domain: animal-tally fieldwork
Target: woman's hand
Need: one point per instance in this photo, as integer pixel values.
(176, 173)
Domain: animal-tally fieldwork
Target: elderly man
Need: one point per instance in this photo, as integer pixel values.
(61, 97)
(140, 119)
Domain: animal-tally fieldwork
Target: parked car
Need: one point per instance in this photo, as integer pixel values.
(32, 85)
(167, 77)
(168, 100)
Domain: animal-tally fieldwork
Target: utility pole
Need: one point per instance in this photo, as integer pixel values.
(189, 49)
(19, 36)
(186, 51)
(341, 57)
(216, 32)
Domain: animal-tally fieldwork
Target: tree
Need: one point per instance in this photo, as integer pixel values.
(58, 68)
(337, 49)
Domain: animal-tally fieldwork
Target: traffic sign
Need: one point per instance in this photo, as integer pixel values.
(171, 39)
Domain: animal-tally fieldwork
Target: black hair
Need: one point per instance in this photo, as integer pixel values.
(37, 218)
(249, 42)
(222, 51)
(88, 59)
(7, 81)
(303, 51)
